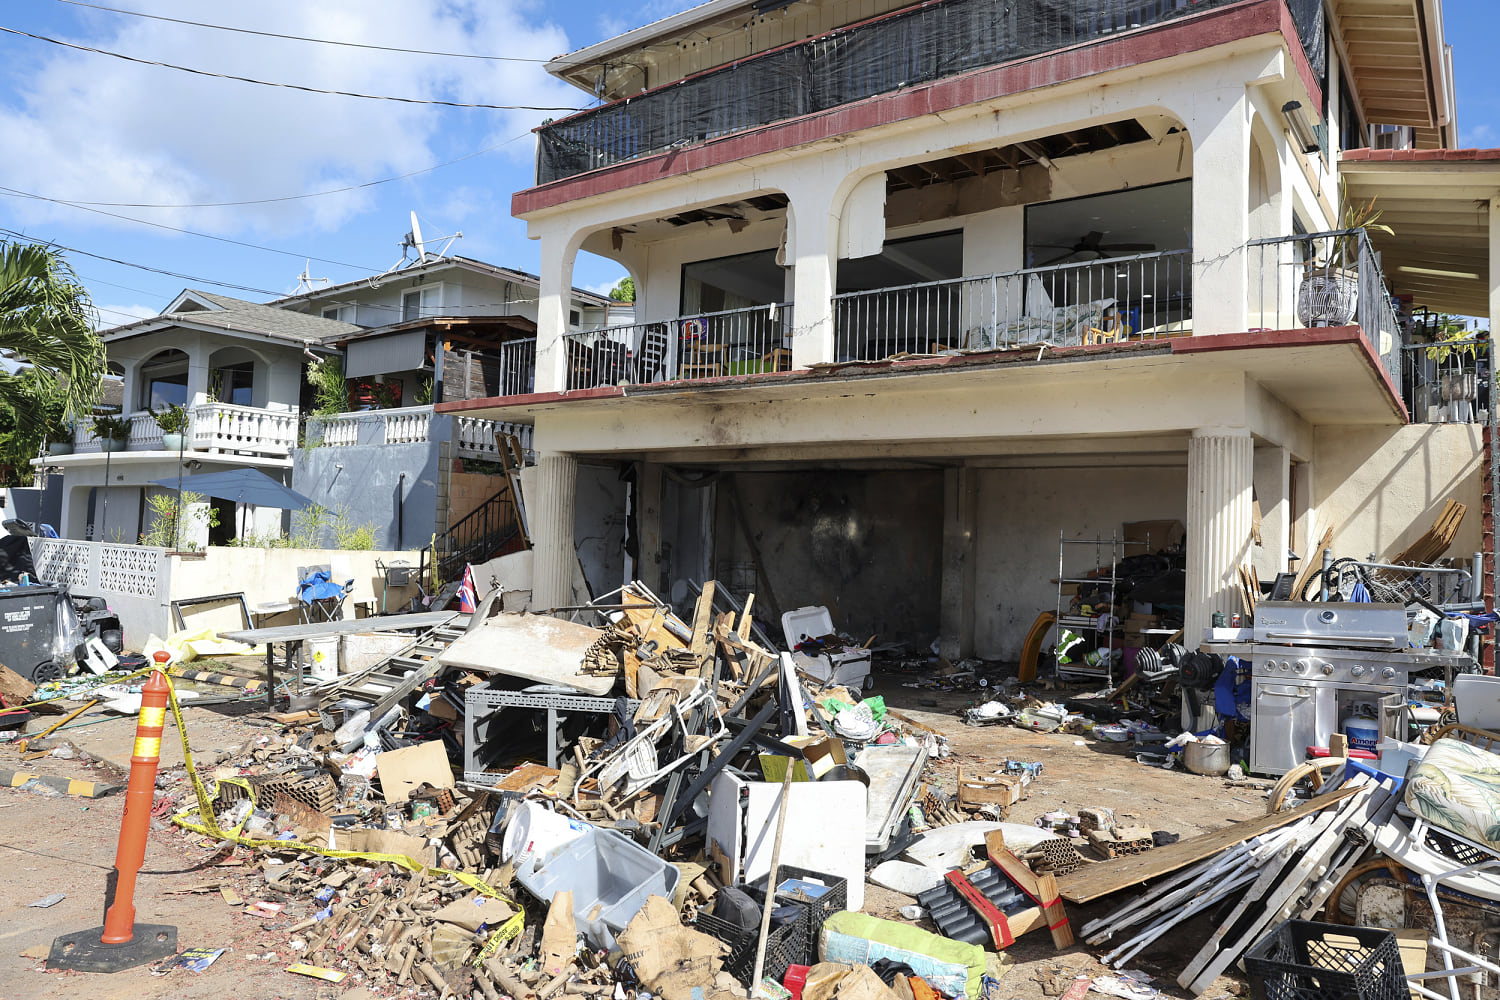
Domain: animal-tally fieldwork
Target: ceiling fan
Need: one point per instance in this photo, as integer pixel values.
(1092, 242)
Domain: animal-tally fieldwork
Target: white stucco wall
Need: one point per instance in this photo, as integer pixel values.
(1021, 512)
(1381, 488)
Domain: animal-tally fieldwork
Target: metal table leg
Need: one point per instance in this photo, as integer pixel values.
(294, 651)
(552, 738)
(271, 676)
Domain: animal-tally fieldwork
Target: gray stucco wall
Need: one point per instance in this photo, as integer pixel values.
(367, 480)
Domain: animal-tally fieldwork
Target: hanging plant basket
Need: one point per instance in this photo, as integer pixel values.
(1328, 297)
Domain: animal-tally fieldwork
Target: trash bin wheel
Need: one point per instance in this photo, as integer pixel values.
(45, 671)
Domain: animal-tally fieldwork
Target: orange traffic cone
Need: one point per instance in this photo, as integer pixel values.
(122, 943)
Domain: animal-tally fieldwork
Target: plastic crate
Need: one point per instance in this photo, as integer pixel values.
(1306, 960)
(785, 947)
(833, 901)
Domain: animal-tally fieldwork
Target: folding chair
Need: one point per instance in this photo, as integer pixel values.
(319, 599)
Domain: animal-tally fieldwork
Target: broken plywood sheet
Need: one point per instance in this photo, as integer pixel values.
(536, 648)
(1101, 879)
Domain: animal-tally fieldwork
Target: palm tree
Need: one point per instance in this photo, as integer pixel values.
(46, 318)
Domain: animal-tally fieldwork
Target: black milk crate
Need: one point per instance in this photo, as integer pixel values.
(786, 945)
(818, 910)
(1306, 960)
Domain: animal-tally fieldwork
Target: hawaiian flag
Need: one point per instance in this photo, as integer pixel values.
(468, 601)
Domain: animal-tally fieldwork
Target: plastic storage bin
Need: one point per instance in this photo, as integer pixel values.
(602, 869)
(850, 667)
(1305, 960)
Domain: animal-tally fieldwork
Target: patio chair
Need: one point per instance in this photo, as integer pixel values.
(319, 598)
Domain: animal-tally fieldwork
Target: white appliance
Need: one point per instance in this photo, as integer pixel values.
(825, 829)
(849, 667)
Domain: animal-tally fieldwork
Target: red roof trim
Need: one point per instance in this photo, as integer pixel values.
(1418, 155)
(1216, 27)
(1299, 338)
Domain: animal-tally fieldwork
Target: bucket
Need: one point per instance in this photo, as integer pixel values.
(1363, 734)
(539, 831)
(1206, 758)
(323, 658)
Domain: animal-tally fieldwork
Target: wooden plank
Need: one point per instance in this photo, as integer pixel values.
(1111, 876)
(1312, 564)
(701, 616)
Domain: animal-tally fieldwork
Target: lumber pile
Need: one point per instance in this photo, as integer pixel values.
(1436, 540)
(1279, 874)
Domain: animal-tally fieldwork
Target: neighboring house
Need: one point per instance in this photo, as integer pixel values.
(236, 366)
(441, 328)
(921, 291)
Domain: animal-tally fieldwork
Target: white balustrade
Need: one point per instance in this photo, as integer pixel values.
(475, 436)
(407, 425)
(231, 428)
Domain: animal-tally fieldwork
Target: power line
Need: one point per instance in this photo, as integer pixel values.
(303, 38)
(14, 193)
(288, 86)
(298, 197)
(143, 267)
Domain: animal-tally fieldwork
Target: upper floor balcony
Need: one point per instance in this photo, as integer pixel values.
(918, 45)
(1300, 282)
(215, 428)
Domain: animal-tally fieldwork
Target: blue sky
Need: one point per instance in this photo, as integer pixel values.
(82, 127)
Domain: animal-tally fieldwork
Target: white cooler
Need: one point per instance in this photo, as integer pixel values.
(850, 667)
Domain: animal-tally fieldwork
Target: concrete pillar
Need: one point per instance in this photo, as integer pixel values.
(1220, 474)
(1221, 195)
(1273, 484)
(812, 249)
(550, 511)
(648, 497)
(553, 298)
(960, 531)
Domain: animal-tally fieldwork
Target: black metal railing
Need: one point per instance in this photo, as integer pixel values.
(1324, 279)
(744, 341)
(479, 535)
(1449, 381)
(1140, 297)
(900, 50)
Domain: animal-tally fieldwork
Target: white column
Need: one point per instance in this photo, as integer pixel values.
(1220, 474)
(553, 298)
(197, 383)
(1221, 200)
(812, 247)
(1494, 271)
(960, 521)
(551, 512)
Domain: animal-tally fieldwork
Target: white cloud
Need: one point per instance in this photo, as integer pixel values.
(99, 129)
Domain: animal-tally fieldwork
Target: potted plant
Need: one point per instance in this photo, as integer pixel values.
(173, 421)
(112, 431)
(1329, 292)
(60, 439)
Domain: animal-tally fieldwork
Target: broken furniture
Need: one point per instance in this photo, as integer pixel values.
(846, 666)
(998, 902)
(483, 707)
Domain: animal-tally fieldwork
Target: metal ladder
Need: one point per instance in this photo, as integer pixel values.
(382, 686)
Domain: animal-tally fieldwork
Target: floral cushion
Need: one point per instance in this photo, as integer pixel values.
(1457, 787)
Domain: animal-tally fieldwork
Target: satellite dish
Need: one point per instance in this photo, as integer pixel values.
(415, 238)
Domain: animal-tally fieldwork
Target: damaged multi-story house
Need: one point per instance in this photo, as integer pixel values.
(924, 290)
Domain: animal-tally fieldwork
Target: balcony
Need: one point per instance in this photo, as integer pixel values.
(213, 427)
(1142, 296)
(898, 51)
(745, 341)
(472, 437)
(1449, 380)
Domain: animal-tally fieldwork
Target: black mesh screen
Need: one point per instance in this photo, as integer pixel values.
(905, 49)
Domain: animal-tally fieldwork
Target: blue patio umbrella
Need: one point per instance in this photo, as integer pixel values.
(249, 486)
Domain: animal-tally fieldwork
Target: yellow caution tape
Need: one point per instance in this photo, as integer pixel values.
(206, 823)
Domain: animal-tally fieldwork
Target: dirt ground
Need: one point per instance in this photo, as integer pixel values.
(58, 843)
